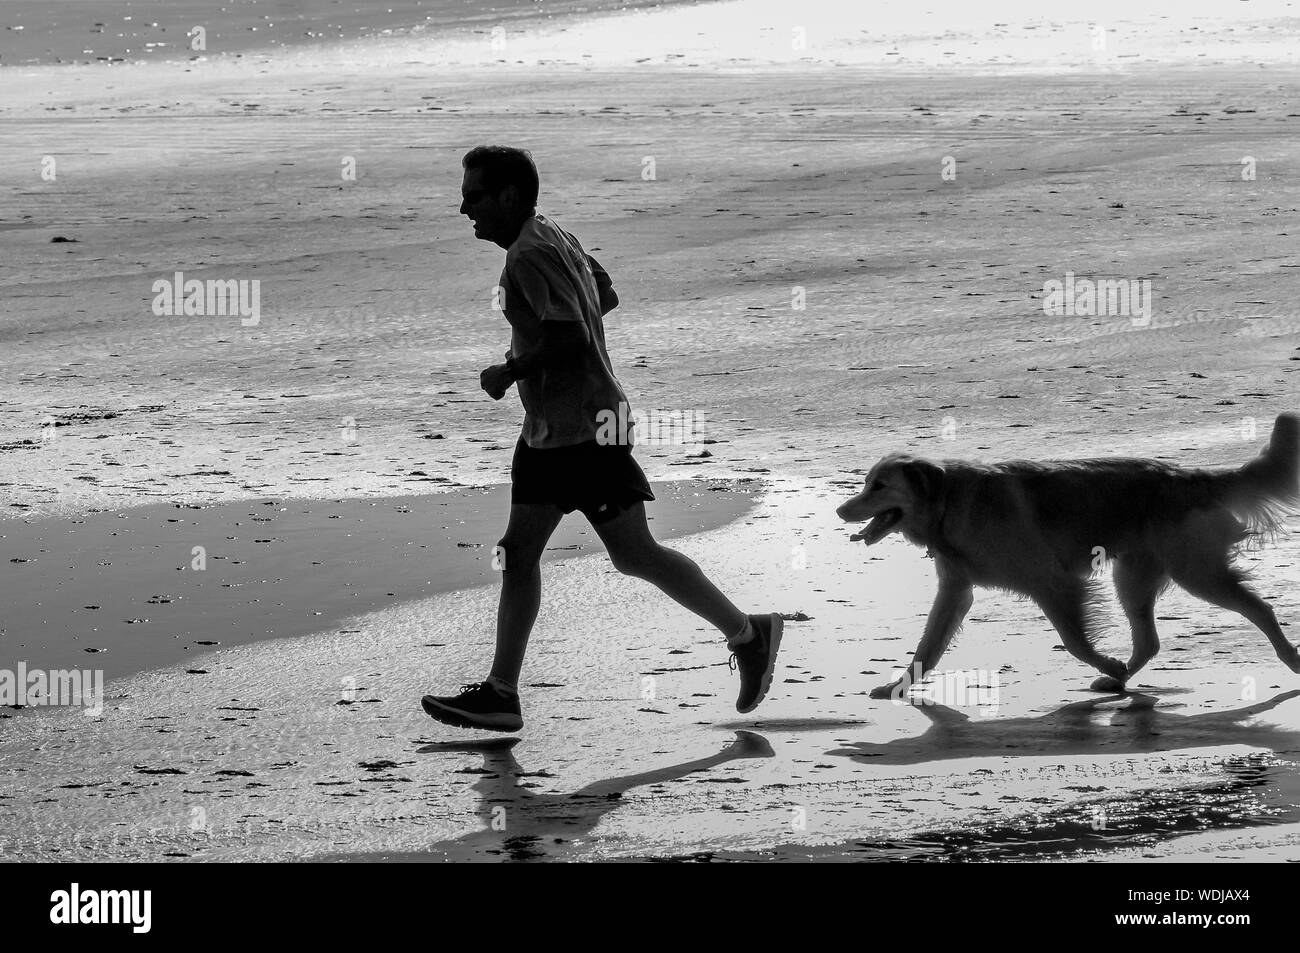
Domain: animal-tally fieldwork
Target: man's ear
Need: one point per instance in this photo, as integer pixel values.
(508, 196)
(926, 477)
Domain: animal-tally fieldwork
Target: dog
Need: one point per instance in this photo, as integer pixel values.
(1043, 529)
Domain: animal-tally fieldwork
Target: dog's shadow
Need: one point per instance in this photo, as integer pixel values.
(523, 825)
(1137, 727)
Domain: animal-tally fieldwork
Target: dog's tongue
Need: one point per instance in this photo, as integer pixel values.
(878, 528)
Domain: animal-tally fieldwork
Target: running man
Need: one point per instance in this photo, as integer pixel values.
(565, 460)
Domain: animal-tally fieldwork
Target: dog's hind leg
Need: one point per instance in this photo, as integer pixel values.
(1139, 580)
(951, 604)
(1065, 605)
(1222, 585)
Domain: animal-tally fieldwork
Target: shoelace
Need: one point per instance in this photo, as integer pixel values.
(733, 663)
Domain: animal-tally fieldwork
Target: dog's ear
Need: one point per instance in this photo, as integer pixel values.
(925, 477)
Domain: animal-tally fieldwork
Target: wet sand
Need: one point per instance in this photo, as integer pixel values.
(135, 588)
(315, 747)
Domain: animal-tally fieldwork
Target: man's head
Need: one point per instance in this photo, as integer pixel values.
(499, 192)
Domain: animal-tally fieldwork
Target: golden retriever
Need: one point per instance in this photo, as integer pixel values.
(1043, 529)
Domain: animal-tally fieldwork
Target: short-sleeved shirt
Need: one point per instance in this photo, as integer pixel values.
(549, 277)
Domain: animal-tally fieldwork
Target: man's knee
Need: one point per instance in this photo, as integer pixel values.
(628, 565)
(513, 555)
(640, 561)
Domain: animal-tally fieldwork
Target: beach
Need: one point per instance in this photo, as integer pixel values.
(832, 239)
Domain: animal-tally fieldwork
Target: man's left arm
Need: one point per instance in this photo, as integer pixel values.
(561, 343)
(604, 286)
(564, 334)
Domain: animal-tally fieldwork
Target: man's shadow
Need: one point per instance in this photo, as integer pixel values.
(1137, 727)
(521, 825)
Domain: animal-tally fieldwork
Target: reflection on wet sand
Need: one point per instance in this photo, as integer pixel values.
(522, 825)
(1256, 793)
(1259, 791)
(1135, 725)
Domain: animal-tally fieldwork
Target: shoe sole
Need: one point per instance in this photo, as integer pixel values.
(774, 646)
(505, 721)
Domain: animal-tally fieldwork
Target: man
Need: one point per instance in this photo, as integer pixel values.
(555, 296)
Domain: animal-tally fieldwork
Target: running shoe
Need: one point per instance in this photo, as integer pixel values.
(478, 705)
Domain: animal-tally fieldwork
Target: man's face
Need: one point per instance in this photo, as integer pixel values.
(494, 220)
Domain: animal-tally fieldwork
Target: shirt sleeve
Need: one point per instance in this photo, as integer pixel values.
(547, 290)
(604, 286)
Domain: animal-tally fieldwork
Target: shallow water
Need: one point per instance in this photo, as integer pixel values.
(136, 588)
(70, 31)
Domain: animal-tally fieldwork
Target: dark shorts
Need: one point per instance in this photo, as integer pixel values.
(600, 480)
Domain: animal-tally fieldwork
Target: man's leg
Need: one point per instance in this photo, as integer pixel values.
(634, 552)
(529, 530)
(494, 704)
(754, 640)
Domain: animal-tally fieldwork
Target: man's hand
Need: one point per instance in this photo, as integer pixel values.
(495, 380)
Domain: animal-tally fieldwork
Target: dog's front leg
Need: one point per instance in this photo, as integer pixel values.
(951, 604)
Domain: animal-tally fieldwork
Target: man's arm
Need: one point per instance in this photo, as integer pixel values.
(608, 297)
(564, 333)
(562, 342)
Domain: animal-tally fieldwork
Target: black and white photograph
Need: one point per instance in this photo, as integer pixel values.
(610, 431)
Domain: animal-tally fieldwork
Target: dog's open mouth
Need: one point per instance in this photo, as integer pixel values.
(879, 526)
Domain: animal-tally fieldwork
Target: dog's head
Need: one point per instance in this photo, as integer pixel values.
(900, 496)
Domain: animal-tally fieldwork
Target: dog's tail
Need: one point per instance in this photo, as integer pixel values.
(1265, 490)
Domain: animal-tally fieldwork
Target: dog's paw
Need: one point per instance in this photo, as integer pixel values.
(892, 690)
(1109, 684)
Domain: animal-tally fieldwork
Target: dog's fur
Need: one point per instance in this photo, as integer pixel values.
(1042, 529)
